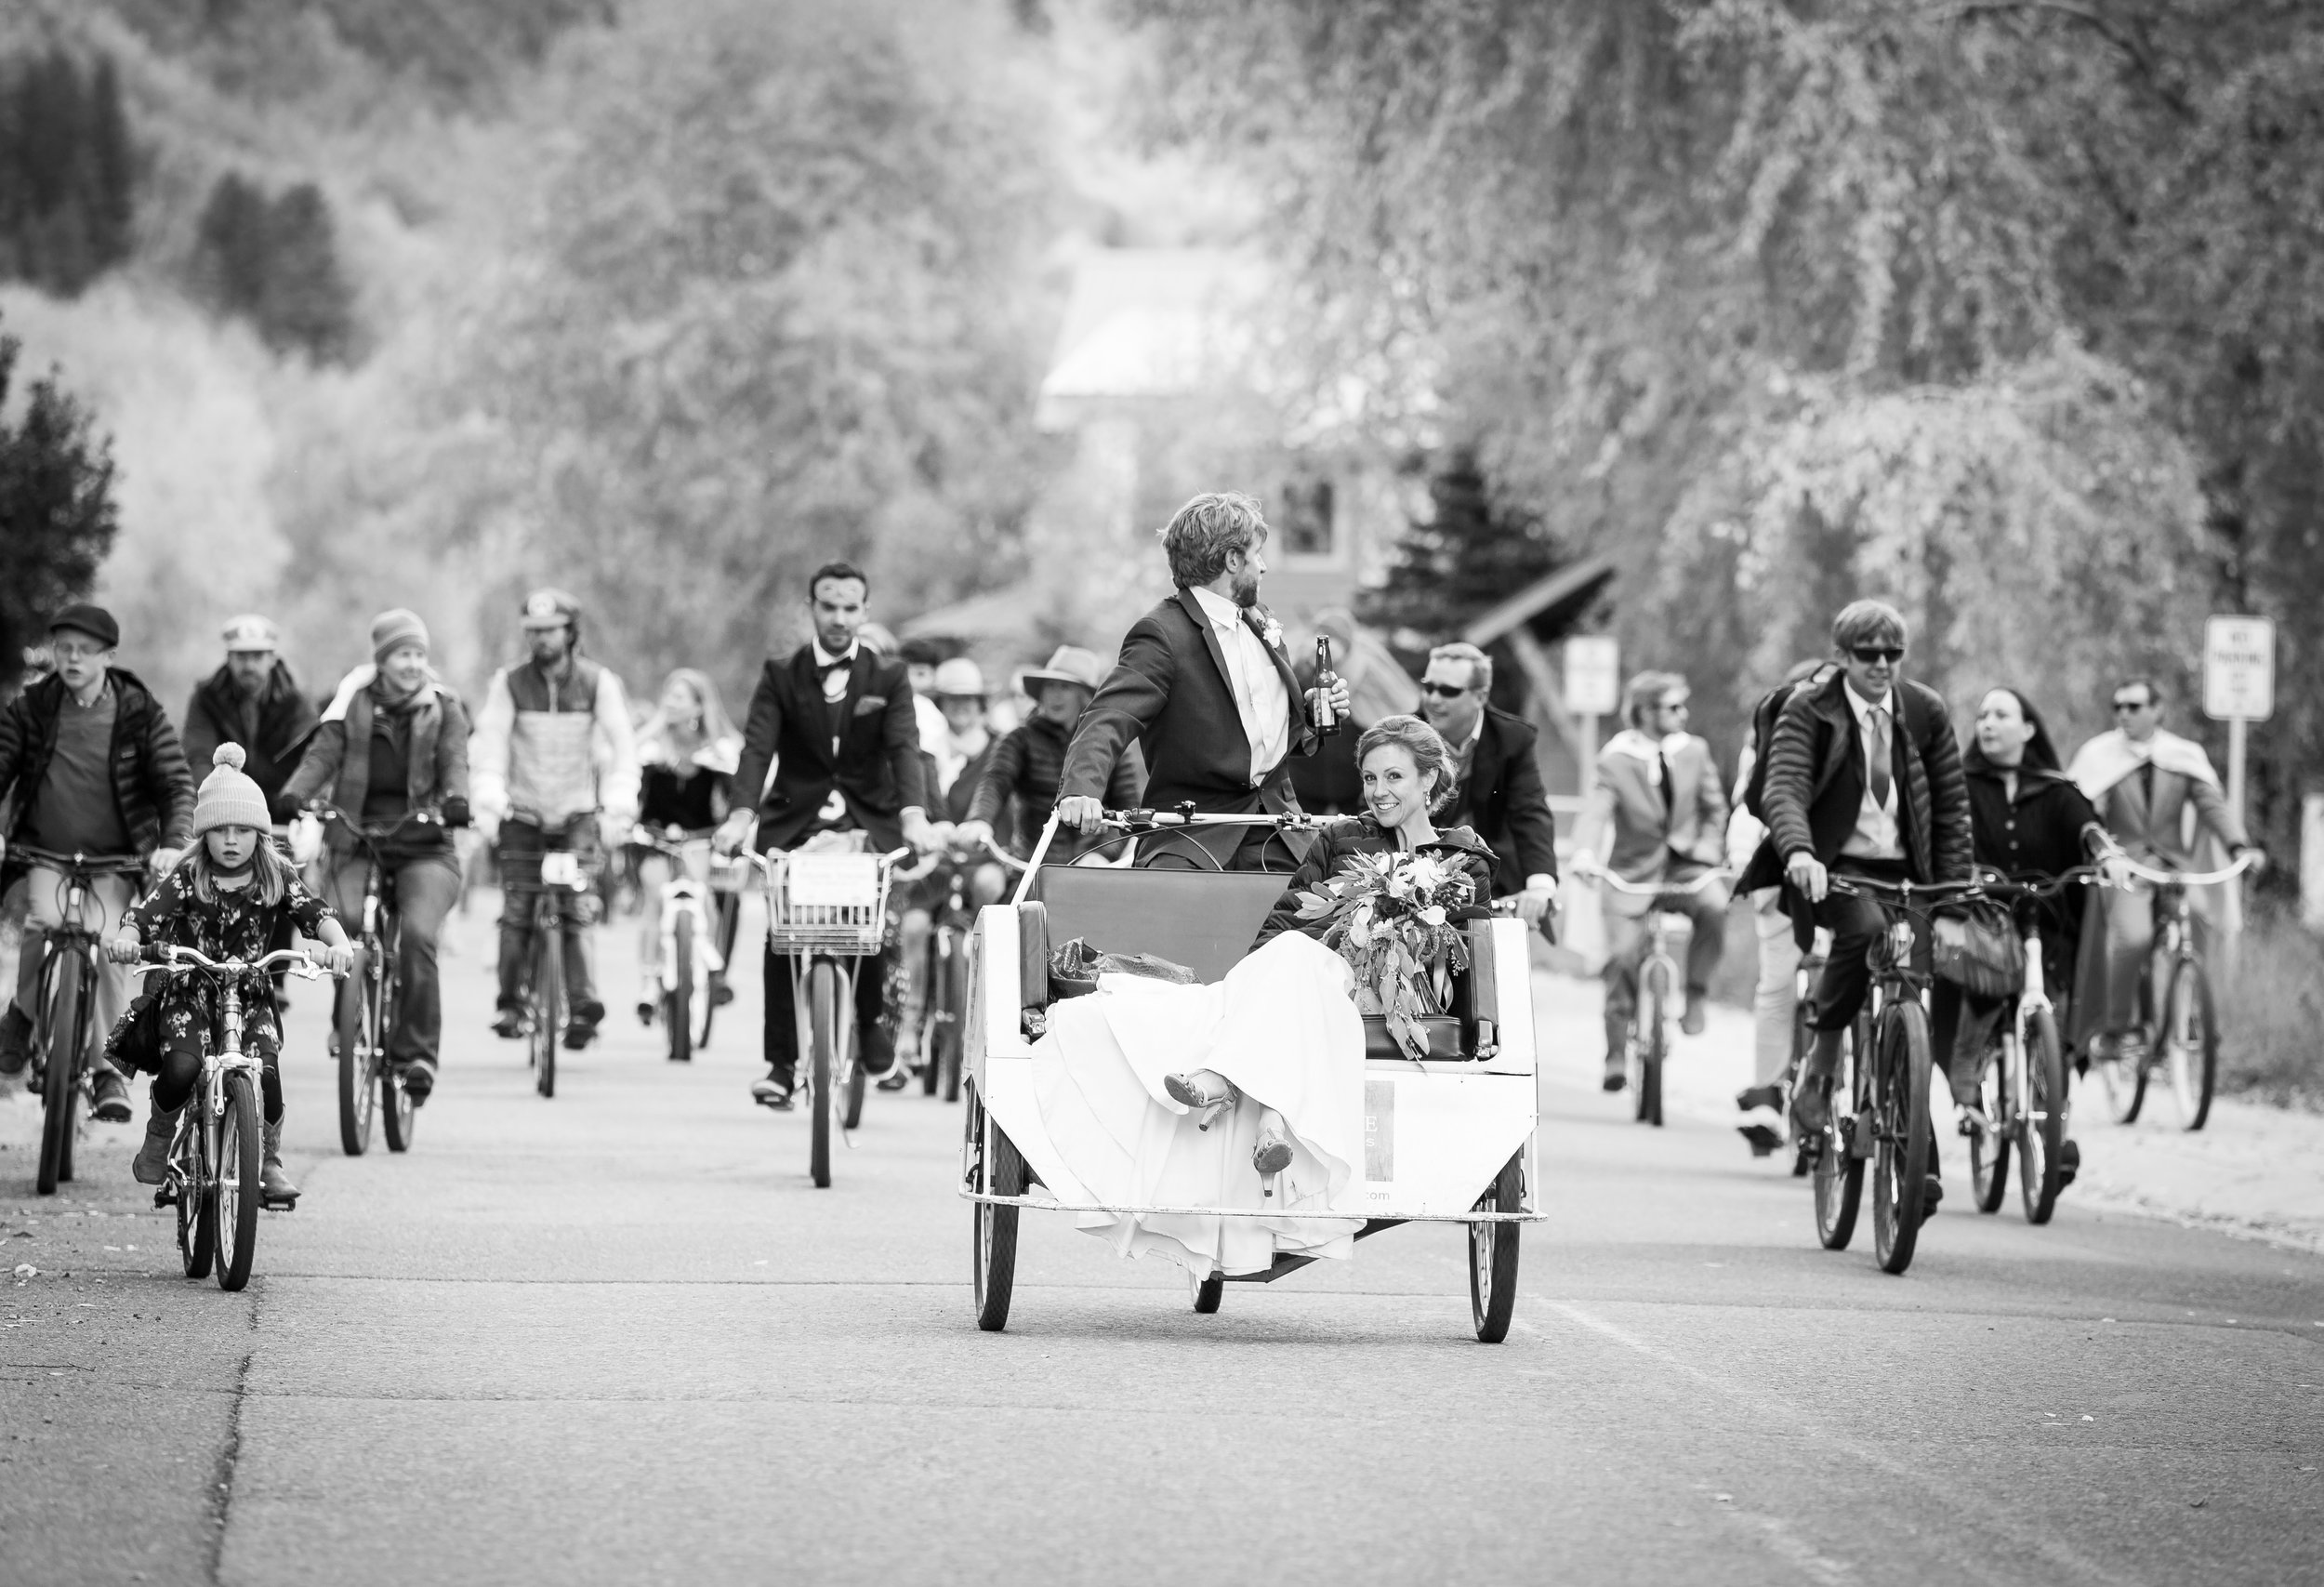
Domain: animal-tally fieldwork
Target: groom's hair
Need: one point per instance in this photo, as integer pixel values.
(1201, 533)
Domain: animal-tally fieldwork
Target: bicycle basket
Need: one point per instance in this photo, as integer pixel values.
(827, 902)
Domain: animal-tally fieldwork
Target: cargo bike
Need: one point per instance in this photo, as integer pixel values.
(1449, 1139)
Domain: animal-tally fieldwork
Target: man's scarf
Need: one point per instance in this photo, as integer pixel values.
(2112, 756)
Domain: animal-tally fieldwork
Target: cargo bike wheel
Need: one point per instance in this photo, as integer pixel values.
(1493, 1255)
(994, 1166)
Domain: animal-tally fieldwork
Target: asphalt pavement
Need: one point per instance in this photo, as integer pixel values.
(618, 1337)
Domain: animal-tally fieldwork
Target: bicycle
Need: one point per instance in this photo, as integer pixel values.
(2021, 1079)
(555, 879)
(1646, 1045)
(1888, 1120)
(697, 934)
(946, 965)
(66, 1036)
(367, 1006)
(2184, 1041)
(825, 909)
(217, 1151)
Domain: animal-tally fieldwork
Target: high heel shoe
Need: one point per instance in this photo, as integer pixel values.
(1273, 1153)
(1206, 1091)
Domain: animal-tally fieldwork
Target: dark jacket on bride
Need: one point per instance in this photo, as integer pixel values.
(1362, 835)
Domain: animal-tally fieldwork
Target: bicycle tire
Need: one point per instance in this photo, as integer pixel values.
(1900, 1154)
(240, 1152)
(1839, 1172)
(1656, 1054)
(349, 1015)
(952, 1032)
(678, 996)
(823, 1010)
(1493, 1255)
(993, 1229)
(397, 1112)
(2193, 1067)
(1989, 1151)
(1645, 1014)
(2044, 1137)
(61, 1092)
(852, 1117)
(190, 1152)
(548, 1001)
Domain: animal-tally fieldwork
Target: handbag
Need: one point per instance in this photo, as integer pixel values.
(1991, 960)
(133, 1045)
(1073, 969)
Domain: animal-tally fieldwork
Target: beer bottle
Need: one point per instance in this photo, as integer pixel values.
(1327, 718)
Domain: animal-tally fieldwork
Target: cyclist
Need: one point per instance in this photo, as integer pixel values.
(393, 744)
(552, 747)
(1863, 779)
(92, 765)
(1496, 779)
(252, 701)
(1661, 815)
(2141, 780)
(1029, 761)
(836, 724)
(234, 897)
(687, 751)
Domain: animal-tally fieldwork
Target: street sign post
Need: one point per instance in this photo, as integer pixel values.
(2239, 685)
(1593, 689)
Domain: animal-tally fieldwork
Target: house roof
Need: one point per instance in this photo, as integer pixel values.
(1145, 322)
(1553, 590)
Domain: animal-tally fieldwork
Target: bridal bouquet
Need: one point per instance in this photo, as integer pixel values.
(1390, 917)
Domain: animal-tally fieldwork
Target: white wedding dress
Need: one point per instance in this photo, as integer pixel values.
(1284, 1028)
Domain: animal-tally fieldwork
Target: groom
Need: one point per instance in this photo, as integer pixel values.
(1205, 686)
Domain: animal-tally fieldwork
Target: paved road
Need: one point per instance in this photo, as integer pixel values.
(618, 1338)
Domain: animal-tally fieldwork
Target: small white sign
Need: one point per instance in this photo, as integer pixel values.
(2238, 668)
(1593, 680)
(837, 881)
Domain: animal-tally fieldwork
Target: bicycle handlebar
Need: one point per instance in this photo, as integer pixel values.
(961, 854)
(1899, 892)
(332, 813)
(179, 960)
(88, 865)
(1641, 890)
(1145, 820)
(2005, 887)
(2243, 862)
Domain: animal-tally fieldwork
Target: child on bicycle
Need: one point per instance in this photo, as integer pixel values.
(233, 896)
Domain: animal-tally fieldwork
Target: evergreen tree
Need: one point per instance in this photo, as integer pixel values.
(1468, 554)
(67, 173)
(56, 514)
(275, 263)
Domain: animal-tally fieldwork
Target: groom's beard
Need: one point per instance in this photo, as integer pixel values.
(1247, 590)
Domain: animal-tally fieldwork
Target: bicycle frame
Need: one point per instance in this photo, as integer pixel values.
(72, 947)
(686, 892)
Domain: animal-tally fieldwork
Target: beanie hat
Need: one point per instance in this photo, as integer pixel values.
(228, 798)
(391, 630)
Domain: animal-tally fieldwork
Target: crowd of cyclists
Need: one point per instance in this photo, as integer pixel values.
(1854, 772)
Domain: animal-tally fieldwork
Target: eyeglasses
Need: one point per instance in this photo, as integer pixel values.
(2122, 706)
(1442, 690)
(1871, 653)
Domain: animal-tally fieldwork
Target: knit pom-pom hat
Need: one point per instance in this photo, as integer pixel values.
(228, 798)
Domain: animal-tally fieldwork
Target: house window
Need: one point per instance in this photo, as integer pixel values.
(1304, 521)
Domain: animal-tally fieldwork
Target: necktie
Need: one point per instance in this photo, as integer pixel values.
(1669, 796)
(1877, 756)
(2146, 784)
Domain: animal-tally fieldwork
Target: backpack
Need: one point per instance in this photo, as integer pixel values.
(1763, 717)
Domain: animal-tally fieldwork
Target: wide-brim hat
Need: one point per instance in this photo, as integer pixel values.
(1068, 664)
(958, 678)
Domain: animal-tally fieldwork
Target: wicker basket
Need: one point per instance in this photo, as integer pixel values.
(827, 902)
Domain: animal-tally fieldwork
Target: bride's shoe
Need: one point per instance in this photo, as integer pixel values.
(1273, 1153)
(1206, 1092)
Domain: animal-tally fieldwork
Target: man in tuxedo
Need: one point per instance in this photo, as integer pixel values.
(1205, 687)
(839, 724)
(1500, 793)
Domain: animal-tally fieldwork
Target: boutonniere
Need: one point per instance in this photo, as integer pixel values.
(871, 703)
(1270, 631)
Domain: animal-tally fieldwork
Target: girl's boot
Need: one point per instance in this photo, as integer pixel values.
(152, 1164)
(273, 1183)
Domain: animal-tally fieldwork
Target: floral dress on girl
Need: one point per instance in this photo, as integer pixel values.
(232, 924)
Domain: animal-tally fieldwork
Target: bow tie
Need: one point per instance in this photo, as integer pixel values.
(839, 666)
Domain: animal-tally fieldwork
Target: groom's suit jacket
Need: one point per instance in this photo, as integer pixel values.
(1171, 691)
(876, 768)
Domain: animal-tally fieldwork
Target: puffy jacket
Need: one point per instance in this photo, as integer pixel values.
(153, 788)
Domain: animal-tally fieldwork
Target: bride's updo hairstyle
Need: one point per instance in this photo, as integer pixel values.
(1430, 755)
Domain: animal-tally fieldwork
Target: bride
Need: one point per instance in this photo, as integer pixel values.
(1248, 1093)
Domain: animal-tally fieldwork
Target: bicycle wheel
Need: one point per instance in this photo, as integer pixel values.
(853, 1115)
(1989, 1151)
(954, 1031)
(350, 1020)
(1493, 1255)
(59, 1042)
(678, 996)
(2042, 1130)
(1650, 1061)
(1644, 1017)
(823, 1034)
(998, 1171)
(2190, 1042)
(396, 1107)
(1838, 1172)
(1900, 1152)
(190, 1159)
(548, 1002)
(235, 1202)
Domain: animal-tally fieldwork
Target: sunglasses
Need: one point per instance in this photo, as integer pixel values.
(1869, 654)
(1442, 690)
(2121, 706)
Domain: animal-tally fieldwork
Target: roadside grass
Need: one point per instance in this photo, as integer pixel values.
(2271, 1038)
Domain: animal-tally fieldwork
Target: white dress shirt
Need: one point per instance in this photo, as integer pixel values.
(1875, 837)
(1259, 696)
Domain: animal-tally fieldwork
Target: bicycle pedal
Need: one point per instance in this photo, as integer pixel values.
(164, 1197)
(279, 1203)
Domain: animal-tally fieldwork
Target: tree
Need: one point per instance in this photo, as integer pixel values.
(57, 515)
(275, 263)
(66, 173)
